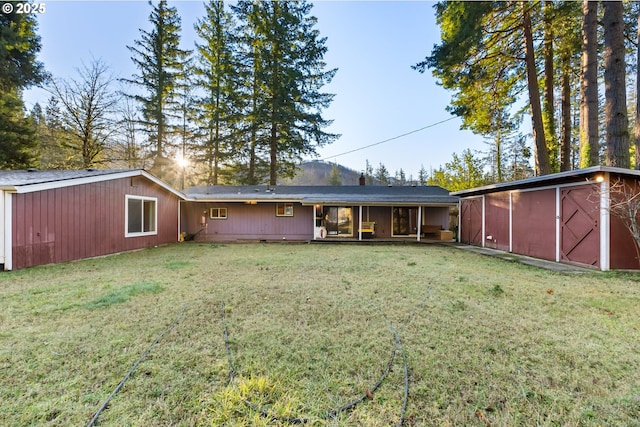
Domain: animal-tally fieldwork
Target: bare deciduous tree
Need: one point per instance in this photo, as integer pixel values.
(87, 104)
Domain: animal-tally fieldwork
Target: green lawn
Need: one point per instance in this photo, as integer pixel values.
(311, 328)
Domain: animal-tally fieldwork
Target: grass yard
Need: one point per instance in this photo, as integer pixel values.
(310, 328)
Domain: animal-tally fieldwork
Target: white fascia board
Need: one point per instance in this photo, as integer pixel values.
(30, 188)
(8, 231)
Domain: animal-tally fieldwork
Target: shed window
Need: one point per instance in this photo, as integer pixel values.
(141, 216)
(284, 209)
(218, 213)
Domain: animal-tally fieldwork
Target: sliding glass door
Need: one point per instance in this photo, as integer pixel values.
(339, 221)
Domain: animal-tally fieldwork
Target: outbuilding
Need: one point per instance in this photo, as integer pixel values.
(63, 215)
(566, 217)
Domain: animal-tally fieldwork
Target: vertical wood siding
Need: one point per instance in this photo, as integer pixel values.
(534, 223)
(82, 221)
(496, 224)
(623, 250)
(471, 221)
(247, 222)
(579, 225)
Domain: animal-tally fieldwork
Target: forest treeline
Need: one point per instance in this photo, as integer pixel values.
(570, 67)
(245, 105)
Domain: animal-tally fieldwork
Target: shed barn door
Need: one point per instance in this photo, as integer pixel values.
(579, 231)
(471, 221)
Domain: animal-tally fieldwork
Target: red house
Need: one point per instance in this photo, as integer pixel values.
(55, 216)
(564, 217)
(303, 213)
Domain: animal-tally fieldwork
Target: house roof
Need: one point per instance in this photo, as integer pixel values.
(586, 174)
(30, 180)
(325, 194)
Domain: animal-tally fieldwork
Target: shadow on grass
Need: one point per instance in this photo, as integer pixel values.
(124, 294)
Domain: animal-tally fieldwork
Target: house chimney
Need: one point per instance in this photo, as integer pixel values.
(361, 180)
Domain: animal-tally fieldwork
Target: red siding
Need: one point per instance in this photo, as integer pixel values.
(497, 221)
(579, 225)
(534, 223)
(83, 221)
(624, 251)
(471, 221)
(247, 222)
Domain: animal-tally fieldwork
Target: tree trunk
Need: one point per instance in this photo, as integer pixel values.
(551, 136)
(565, 146)
(589, 144)
(637, 121)
(542, 154)
(616, 120)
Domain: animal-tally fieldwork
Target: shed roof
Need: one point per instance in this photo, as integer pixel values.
(30, 180)
(325, 194)
(552, 179)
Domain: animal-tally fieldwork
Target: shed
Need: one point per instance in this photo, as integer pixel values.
(303, 213)
(63, 215)
(564, 217)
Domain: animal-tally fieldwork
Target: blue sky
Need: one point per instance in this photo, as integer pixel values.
(373, 45)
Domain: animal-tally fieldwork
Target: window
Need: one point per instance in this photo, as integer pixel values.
(218, 213)
(284, 209)
(141, 216)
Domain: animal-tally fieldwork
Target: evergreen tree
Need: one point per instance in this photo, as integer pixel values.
(217, 73)
(335, 177)
(18, 141)
(461, 173)
(160, 61)
(589, 141)
(616, 119)
(368, 173)
(19, 46)
(288, 73)
(381, 175)
(423, 176)
(19, 69)
(54, 151)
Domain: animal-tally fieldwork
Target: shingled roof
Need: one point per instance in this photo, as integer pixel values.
(28, 180)
(325, 194)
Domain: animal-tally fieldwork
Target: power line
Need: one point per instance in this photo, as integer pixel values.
(389, 139)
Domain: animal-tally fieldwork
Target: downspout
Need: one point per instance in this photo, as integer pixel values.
(419, 230)
(179, 220)
(8, 232)
(510, 221)
(459, 219)
(557, 223)
(605, 223)
(484, 240)
(360, 223)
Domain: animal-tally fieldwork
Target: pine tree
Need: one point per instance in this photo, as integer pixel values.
(288, 72)
(381, 175)
(589, 141)
(19, 69)
(335, 177)
(160, 60)
(216, 73)
(616, 119)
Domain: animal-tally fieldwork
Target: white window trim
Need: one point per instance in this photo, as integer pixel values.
(126, 216)
(285, 214)
(226, 213)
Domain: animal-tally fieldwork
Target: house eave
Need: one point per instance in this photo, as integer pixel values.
(538, 181)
